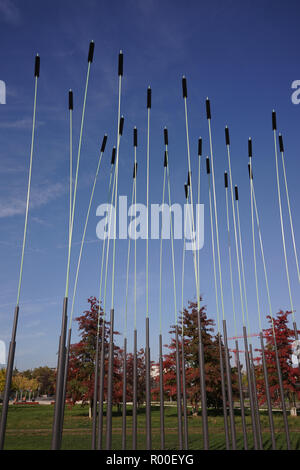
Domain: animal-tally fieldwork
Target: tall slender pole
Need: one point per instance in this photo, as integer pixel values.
(259, 434)
(12, 345)
(103, 337)
(223, 386)
(178, 379)
(161, 369)
(249, 380)
(252, 370)
(73, 301)
(265, 371)
(278, 367)
(147, 352)
(227, 358)
(111, 344)
(234, 318)
(71, 106)
(125, 329)
(200, 342)
(134, 404)
(244, 426)
(184, 394)
(59, 397)
(274, 126)
(281, 149)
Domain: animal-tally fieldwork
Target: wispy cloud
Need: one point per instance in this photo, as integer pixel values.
(9, 13)
(39, 197)
(19, 123)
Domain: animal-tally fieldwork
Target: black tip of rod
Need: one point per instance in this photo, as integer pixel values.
(200, 147)
(91, 51)
(149, 96)
(134, 170)
(250, 147)
(186, 191)
(281, 147)
(207, 166)
(226, 179)
(135, 137)
(37, 66)
(189, 178)
(208, 112)
(250, 171)
(70, 100)
(121, 126)
(184, 87)
(274, 123)
(236, 193)
(166, 159)
(104, 143)
(113, 156)
(166, 138)
(227, 139)
(120, 65)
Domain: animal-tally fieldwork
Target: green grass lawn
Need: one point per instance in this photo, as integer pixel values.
(29, 427)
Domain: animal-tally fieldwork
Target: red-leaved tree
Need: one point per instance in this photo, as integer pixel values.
(290, 374)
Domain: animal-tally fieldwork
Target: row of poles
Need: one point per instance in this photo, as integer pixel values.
(104, 350)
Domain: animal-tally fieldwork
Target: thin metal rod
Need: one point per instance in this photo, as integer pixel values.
(178, 378)
(148, 389)
(101, 387)
(178, 383)
(161, 396)
(269, 403)
(8, 378)
(282, 225)
(200, 344)
(279, 373)
(229, 387)
(57, 420)
(103, 349)
(227, 360)
(124, 395)
(65, 380)
(223, 386)
(134, 410)
(110, 383)
(250, 389)
(289, 209)
(95, 394)
(184, 394)
(147, 352)
(241, 292)
(256, 405)
(244, 426)
(124, 409)
(84, 234)
(111, 345)
(234, 317)
(12, 346)
(283, 405)
(135, 375)
(265, 370)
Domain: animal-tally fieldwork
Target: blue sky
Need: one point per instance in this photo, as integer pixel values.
(244, 56)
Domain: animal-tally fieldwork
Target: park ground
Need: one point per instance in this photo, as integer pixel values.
(29, 427)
